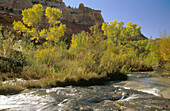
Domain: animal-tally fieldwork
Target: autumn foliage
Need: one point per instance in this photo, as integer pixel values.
(104, 52)
(32, 18)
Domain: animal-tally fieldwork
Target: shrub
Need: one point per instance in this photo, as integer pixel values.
(36, 71)
(9, 50)
(163, 46)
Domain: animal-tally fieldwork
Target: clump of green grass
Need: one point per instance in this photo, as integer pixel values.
(6, 89)
(36, 71)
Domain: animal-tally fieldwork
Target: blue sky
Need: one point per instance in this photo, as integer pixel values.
(152, 15)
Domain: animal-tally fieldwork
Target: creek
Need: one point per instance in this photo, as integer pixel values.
(151, 93)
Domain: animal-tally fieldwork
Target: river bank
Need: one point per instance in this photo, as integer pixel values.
(130, 95)
(15, 86)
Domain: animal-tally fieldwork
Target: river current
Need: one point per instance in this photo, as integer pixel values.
(134, 94)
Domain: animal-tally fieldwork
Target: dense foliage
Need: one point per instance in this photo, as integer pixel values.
(106, 51)
(32, 17)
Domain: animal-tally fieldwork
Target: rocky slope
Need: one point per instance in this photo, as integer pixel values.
(82, 15)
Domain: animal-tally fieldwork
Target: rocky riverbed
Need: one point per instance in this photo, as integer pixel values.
(144, 93)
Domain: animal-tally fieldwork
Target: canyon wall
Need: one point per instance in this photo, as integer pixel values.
(81, 15)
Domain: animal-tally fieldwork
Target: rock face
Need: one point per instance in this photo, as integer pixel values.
(82, 15)
(76, 19)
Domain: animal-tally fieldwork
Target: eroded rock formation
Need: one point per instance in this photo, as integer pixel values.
(82, 15)
(76, 19)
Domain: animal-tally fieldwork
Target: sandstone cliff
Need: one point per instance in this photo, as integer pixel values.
(76, 19)
(82, 15)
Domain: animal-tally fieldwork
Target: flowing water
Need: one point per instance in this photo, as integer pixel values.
(158, 86)
(135, 93)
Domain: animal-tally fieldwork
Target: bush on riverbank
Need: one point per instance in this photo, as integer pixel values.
(104, 54)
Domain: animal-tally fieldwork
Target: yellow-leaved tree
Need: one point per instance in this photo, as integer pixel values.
(164, 48)
(31, 27)
(45, 29)
(118, 34)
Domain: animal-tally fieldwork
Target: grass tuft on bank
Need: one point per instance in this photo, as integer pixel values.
(6, 89)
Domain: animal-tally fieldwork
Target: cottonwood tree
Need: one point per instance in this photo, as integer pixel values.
(32, 19)
(118, 34)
